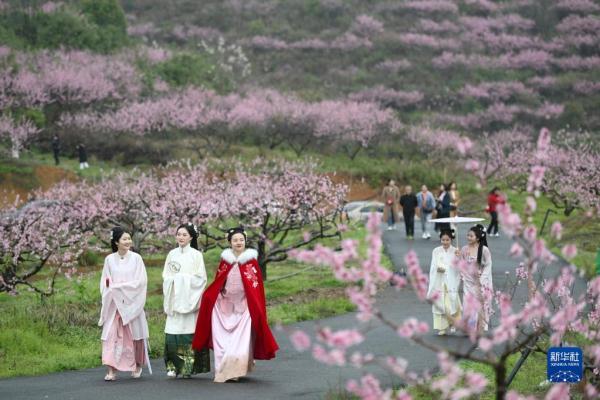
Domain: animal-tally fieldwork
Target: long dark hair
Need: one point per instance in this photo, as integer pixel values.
(193, 231)
(447, 232)
(481, 235)
(494, 190)
(115, 235)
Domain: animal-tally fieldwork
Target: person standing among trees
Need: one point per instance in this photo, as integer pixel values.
(184, 280)
(56, 149)
(409, 204)
(425, 207)
(391, 198)
(124, 327)
(233, 315)
(83, 164)
(494, 199)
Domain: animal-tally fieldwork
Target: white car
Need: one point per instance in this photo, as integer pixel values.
(360, 210)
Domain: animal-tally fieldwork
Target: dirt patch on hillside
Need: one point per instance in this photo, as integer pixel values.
(359, 189)
(19, 184)
(47, 176)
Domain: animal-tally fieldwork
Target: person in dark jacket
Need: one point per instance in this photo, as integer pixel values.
(443, 208)
(409, 204)
(83, 164)
(56, 149)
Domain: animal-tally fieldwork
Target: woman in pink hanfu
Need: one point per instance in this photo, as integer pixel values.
(233, 316)
(124, 326)
(478, 285)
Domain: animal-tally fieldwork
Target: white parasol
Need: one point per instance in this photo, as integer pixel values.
(457, 220)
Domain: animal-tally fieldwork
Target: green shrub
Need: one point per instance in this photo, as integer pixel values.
(99, 26)
(190, 69)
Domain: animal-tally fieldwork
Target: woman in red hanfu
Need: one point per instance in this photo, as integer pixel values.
(233, 315)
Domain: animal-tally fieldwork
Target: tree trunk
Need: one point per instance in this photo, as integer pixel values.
(262, 258)
(501, 380)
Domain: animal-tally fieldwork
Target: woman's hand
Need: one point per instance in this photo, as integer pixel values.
(457, 253)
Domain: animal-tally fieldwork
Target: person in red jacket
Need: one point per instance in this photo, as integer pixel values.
(494, 198)
(233, 315)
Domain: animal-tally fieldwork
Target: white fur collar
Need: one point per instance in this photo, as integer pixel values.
(247, 255)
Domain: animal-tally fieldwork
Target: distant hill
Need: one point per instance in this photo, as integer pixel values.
(473, 64)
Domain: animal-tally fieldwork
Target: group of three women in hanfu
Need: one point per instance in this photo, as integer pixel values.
(228, 316)
(445, 279)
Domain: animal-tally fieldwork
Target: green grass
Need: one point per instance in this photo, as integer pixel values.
(527, 381)
(578, 228)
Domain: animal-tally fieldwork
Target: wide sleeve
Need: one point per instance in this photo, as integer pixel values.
(432, 274)
(168, 292)
(104, 291)
(130, 296)
(486, 268)
(189, 287)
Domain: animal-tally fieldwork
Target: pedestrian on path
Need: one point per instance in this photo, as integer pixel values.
(443, 208)
(425, 207)
(409, 204)
(184, 280)
(124, 326)
(233, 315)
(477, 280)
(494, 199)
(444, 281)
(454, 199)
(391, 198)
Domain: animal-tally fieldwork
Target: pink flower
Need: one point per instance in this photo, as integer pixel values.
(369, 388)
(530, 233)
(536, 178)
(556, 230)
(412, 327)
(300, 340)
(416, 276)
(516, 250)
(485, 344)
(543, 142)
(531, 204)
(341, 339)
(558, 391)
(569, 251)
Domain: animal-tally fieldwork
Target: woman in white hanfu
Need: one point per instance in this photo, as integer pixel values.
(444, 281)
(184, 280)
(478, 283)
(124, 326)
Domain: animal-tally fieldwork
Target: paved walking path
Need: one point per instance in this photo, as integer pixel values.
(291, 375)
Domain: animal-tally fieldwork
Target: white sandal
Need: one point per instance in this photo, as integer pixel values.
(137, 374)
(110, 377)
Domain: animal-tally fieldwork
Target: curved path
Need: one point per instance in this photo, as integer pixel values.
(291, 375)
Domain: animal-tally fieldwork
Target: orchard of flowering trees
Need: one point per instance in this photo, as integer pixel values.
(282, 206)
(552, 311)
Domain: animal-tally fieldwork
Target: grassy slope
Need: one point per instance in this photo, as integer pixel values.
(579, 228)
